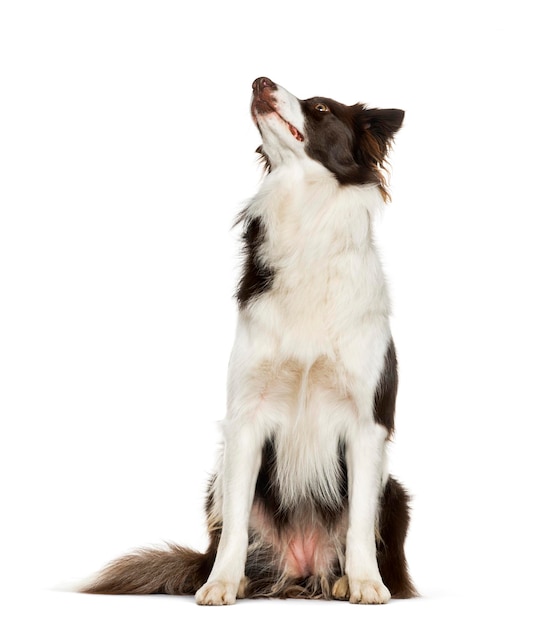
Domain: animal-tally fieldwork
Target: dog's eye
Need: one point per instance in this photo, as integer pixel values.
(323, 108)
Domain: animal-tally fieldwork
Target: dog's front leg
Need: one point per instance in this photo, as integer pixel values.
(365, 462)
(241, 464)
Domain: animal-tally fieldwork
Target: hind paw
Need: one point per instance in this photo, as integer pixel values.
(341, 590)
(216, 593)
(243, 588)
(361, 591)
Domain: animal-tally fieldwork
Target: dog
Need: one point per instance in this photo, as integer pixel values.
(302, 504)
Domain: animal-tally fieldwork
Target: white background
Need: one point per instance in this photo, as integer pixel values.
(126, 150)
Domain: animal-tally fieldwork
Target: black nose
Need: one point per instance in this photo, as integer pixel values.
(263, 83)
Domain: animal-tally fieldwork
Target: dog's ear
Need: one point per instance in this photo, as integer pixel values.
(375, 130)
(379, 127)
(383, 123)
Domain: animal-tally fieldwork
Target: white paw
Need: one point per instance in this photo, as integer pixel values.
(368, 592)
(361, 591)
(216, 593)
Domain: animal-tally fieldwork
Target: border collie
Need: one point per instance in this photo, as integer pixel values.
(302, 504)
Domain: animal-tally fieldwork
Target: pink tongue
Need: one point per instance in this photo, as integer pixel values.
(295, 133)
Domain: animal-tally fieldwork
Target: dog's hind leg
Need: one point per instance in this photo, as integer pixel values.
(394, 518)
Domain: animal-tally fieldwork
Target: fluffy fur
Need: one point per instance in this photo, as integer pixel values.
(302, 504)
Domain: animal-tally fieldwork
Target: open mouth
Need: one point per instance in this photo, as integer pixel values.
(263, 107)
(293, 130)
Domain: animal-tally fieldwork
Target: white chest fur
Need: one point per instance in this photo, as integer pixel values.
(328, 281)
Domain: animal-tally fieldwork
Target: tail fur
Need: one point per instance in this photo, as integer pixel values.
(174, 571)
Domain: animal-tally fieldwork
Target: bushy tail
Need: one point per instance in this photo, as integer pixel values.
(174, 570)
(394, 518)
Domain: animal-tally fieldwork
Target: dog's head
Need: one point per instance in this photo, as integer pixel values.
(351, 142)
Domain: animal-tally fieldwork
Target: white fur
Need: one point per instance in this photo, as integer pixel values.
(279, 144)
(307, 359)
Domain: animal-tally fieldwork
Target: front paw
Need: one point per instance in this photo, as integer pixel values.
(361, 591)
(217, 593)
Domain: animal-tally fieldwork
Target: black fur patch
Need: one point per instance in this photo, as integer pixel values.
(267, 491)
(350, 141)
(256, 277)
(394, 518)
(385, 397)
